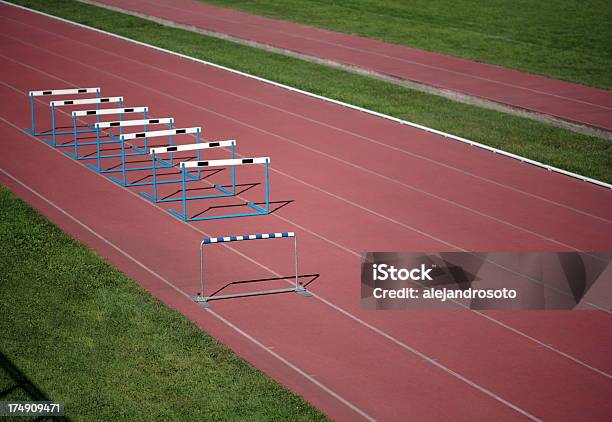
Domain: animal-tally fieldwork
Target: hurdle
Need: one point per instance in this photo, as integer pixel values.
(53, 92)
(189, 147)
(139, 135)
(105, 112)
(120, 124)
(223, 163)
(297, 287)
(63, 103)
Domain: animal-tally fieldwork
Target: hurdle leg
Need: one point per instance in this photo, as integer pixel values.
(32, 115)
(99, 152)
(299, 289)
(184, 198)
(76, 147)
(97, 106)
(198, 152)
(200, 298)
(53, 124)
(154, 177)
(267, 187)
(123, 170)
(233, 174)
(170, 140)
(145, 139)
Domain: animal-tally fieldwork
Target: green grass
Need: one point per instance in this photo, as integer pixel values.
(87, 335)
(564, 39)
(582, 154)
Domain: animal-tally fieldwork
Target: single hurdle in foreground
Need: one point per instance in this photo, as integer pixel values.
(49, 93)
(143, 135)
(63, 103)
(297, 287)
(223, 163)
(189, 147)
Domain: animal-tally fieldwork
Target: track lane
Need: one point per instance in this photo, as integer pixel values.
(290, 189)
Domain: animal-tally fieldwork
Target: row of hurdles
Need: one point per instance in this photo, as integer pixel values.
(95, 136)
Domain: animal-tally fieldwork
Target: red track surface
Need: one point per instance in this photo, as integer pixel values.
(564, 100)
(358, 183)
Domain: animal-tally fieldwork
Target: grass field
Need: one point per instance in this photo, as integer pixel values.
(564, 39)
(555, 146)
(85, 334)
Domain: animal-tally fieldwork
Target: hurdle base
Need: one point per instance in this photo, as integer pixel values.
(204, 300)
(182, 217)
(92, 167)
(30, 132)
(201, 301)
(117, 181)
(145, 195)
(49, 142)
(303, 292)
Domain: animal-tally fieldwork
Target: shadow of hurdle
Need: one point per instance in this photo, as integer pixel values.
(309, 278)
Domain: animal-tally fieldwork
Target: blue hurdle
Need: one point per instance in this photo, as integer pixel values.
(143, 135)
(296, 288)
(64, 103)
(114, 139)
(106, 112)
(189, 147)
(53, 92)
(223, 163)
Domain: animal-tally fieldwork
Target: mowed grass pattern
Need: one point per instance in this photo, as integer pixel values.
(87, 335)
(563, 39)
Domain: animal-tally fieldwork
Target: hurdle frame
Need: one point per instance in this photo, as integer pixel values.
(158, 133)
(103, 112)
(62, 103)
(120, 124)
(297, 287)
(223, 163)
(188, 147)
(49, 93)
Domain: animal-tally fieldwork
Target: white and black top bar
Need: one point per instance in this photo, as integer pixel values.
(64, 91)
(110, 111)
(247, 237)
(228, 162)
(86, 101)
(141, 122)
(193, 147)
(157, 133)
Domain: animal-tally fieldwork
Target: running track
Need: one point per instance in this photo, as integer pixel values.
(357, 183)
(567, 101)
